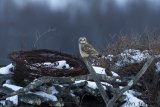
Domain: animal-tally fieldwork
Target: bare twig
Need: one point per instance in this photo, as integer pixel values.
(131, 83)
(39, 36)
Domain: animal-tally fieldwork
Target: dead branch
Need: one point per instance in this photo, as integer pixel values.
(39, 36)
(97, 81)
(131, 82)
(6, 76)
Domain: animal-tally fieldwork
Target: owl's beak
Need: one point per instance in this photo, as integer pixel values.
(83, 41)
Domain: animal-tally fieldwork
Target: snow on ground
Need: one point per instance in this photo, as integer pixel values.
(13, 87)
(54, 91)
(49, 96)
(13, 99)
(131, 56)
(158, 67)
(77, 82)
(99, 70)
(9, 81)
(115, 74)
(58, 65)
(93, 84)
(132, 101)
(6, 69)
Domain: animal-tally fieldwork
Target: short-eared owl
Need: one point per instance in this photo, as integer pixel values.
(87, 49)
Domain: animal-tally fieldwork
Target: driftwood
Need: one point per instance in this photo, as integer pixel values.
(5, 90)
(61, 80)
(37, 100)
(4, 77)
(97, 81)
(131, 83)
(38, 82)
(30, 99)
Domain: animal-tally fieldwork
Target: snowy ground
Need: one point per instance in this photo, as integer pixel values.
(127, 57)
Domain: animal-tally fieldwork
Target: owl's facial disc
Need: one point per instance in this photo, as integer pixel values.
(82, 40)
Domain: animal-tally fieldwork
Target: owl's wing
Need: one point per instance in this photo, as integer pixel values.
(89, 49)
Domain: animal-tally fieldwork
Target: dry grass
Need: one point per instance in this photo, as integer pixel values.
(147, 41)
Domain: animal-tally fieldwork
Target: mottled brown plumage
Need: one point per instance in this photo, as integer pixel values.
(87, 49)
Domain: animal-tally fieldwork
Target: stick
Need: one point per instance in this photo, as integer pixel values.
(97, 81)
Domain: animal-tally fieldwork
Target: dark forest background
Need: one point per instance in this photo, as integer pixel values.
(100, 20)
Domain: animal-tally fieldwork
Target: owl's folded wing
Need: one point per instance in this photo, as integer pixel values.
(89, 49)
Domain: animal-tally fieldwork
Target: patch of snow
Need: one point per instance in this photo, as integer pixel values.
(54, 91)
(109, 57)
(61, 86)
(8, 81)
(13, 99)
(3, 102)
(132, 101)
(6, 69)
(58, 65)
(79, 81)
(62, 65)
(115, 74)
(49, 96)
(99, 70)
(105, 83)
(131, 56)
(158, 67)
(94, 86)
(13, 87)
(134, 93)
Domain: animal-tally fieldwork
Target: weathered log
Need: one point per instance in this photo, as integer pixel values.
(6, 76)
(40, 81)
(97, 81)
(5, 90)
(78, 85)
(30, 99)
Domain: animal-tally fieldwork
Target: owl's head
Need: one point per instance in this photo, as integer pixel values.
(82, 40)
